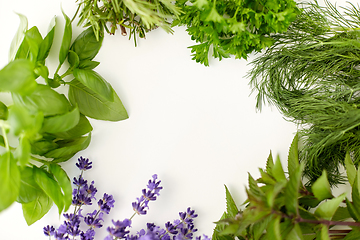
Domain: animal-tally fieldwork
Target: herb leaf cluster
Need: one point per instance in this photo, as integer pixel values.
(134, 16)
(42, 127)
(226, 28)
(311, 74)
(279, 206)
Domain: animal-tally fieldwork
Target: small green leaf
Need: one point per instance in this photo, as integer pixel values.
(9, 180)
(66, 41)
(22, 121)
(64, 182)
(273, 229)
(231, 207)
(324, 233)
(350, 169)
(354, 213)
(42, 146)
(36, 209)
(19, 37)
(18, 76)
(50, 187)
(321, 187)
(292, 190)
(295, 233)
(29, 189)
(86, 46)
(86, 64)
(44, 99)
(3, 111)
(94, 106)
(83, 127)
(73, 59)
(95, 83)
(69, 148)
(293, 157)
(278, 171)
(269, 164)
(46, 44)
(353, 235)
(341, 214)
(34, 40)
(22, 152)
(327, 209)
(61, 123)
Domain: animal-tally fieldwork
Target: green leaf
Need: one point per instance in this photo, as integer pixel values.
(292, 190)
(295, 233)
(34, 40)
(43, 146)
(64, 182)
(44, 99)
(327, 209)
(9, 180)
(293, 157)
(350, 169)
(278, 171)
(46, 44)
(29, 190)
(341, 214)
(94, 106)
(22, 121)
(50, 187)
(354, 213)
(95, 83)
(19, 36)
(36, 209)
(61, 123)
(73, 59)
(3, 111)
(259, 227)
(22, 152)
(18, 76)
(269, 164)
(83, 127)
(86, 46)
(353, 235)
(67, 149)
(324, 233)
(273, 229)
(86, 64)
(321, 187)
(231, 207)
(66, 41)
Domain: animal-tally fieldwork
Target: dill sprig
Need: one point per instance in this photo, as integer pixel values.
(133, 16)
(311, 74)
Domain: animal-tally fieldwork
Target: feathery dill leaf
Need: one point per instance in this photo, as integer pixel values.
(311, 74)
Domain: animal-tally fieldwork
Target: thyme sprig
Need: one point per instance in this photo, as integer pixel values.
(311, 74)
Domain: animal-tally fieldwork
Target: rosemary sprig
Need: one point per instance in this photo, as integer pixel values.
(312, 75)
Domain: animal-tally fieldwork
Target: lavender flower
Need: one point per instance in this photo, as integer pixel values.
(83, 164)
(49, 230)
(106, 203)
(93, 220)
(119, 230)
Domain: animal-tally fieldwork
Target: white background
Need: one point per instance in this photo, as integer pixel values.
(195, 126)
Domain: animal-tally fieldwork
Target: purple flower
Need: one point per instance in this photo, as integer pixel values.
(94, 219)
(88, 235)
(119, 230)
(79, 182)
(138, 208)
(153, 185)
(170, 228)
(83, 164)
(49, 230)
(106, 203)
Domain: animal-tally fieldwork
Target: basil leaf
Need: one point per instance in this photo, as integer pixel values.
(49, 186)
(29, 189)
(86, 46)
(95, 82)
(36, 209)
(9, 180)
(87, 64)
(18, 77)
(66, 41)
(43, 146)
(61, 123)
(93, 105)
(73, 59)
(67, 149)
(83, 127)
(3, 111)
(22, 152)
(19, 37)
(64, 182)
(22, 121)
(44, 99)
(46, 44)
(33, 39)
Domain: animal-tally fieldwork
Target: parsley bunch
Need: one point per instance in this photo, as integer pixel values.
(225, 28)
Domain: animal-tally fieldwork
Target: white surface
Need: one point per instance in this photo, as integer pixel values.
(195, 126)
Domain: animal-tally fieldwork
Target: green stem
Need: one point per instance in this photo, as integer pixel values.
(77, 11)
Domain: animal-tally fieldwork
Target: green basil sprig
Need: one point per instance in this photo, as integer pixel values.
(50, 126)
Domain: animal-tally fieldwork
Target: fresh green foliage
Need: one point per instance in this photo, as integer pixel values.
(311, 74)
(136, 16)
(287, 209)
(50, 127)
(225, 28)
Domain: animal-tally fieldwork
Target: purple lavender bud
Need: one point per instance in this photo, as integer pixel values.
(191, 213)
(79, 182)
(94, 219)
(138, 208)
(83, 164)
(170, 228)
(153, 185)
(106, 203)
(119, 230)
(88, 235)
(148, 195)
(49, 230)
